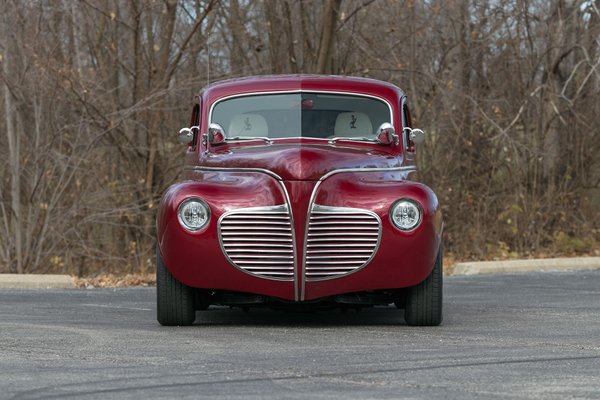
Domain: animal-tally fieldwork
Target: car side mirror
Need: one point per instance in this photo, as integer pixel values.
(186, 135)
(216, 134)
(416, 135)
(386, 134)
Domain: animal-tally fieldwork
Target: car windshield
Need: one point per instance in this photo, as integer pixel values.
(304, 114)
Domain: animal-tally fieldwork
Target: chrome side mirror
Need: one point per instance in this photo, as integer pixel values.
(216, 134)
(417, 136)
(386, 134)
(186, 135)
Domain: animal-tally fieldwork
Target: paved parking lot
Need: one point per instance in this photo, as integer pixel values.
(504, 336)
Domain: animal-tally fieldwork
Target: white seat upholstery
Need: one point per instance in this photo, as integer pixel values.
(248, 125)
(353, 124)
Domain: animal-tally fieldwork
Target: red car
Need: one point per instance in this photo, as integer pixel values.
(298, 192)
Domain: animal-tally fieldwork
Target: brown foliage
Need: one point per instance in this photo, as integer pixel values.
(93, 92)
(111, 281)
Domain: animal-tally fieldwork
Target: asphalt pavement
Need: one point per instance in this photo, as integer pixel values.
(522, 335)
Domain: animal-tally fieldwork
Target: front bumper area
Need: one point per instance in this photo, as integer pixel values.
(299, 240)
(343, 301)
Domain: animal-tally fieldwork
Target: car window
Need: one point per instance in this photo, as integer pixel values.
(305, 114)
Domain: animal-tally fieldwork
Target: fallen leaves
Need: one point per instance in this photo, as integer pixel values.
(114, 281)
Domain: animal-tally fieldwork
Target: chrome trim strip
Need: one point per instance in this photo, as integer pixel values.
(345, 223)
(339, 251)
(260, 245)
(269, 223)
(336, 262)
(229, 227)
(289, 274)
(329, 273)
(325, 239)
(339, 245)
(323, 229)
(253, 256)
(385, 169)
(229, 234)
(325, 234)
(265, 262)
(261, 170)
(260, 251)
(333, 257)
(279, 240)
(316, 216)
(328, 140)
(266, 216)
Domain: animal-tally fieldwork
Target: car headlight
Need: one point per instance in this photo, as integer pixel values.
(193, 214)
(406, 214)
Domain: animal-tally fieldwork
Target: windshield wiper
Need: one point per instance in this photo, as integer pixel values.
(359, 139)
(266, 139)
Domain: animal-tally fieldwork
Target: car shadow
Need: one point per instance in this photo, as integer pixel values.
(389, 315)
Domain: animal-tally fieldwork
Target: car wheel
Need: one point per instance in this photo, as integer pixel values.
(174, 300)
(424, 301)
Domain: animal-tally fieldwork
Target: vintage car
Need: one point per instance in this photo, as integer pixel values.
(298, 191)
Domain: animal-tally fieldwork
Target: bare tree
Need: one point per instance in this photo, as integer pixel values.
(507, 91)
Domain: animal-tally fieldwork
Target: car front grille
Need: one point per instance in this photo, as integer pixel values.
(259, 241)
(340, 241)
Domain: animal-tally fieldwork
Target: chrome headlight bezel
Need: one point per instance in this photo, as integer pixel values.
(412, 204)
(182, 208)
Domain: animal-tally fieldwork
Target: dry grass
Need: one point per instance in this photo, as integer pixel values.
(449, 263)
(114, 281)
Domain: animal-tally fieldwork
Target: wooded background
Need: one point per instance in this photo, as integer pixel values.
(93, 93)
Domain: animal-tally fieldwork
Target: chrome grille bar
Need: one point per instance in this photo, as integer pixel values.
(258, 251)
(340, 251)
(253, 228)
(253, 240)
(342, 228)
(334, 257)
(337, 238)
(339, 222)
(263, 262)
(256, 233)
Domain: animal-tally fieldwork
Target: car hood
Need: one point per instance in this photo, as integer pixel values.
(300, 162)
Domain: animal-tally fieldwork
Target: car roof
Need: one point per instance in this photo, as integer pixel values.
(273, 83)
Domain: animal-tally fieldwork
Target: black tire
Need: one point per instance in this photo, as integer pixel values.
(424, 301)
(174, 300)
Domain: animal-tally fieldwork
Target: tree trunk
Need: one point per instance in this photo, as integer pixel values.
(330, 13)
(275, 32)
(13, 149)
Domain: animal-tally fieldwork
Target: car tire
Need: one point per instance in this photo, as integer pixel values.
(174, 300)
(424, 301)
